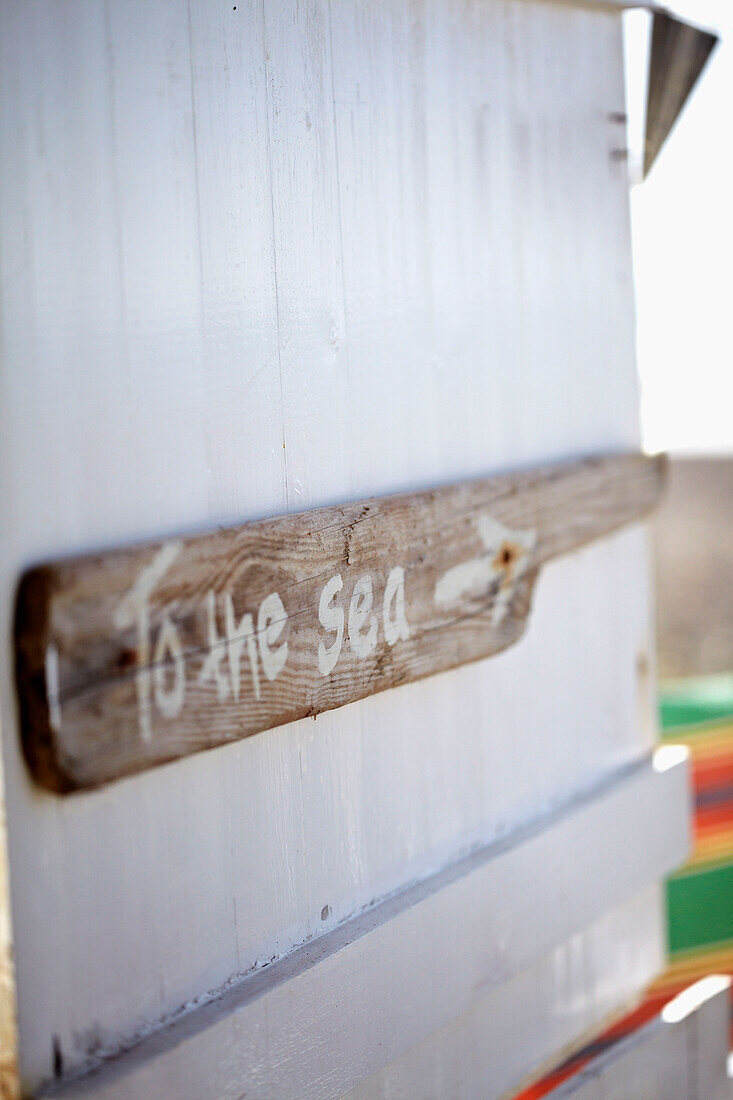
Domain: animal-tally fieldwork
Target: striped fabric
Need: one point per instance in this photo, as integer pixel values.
(699, 714)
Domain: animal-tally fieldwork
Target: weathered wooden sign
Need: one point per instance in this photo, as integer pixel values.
(130, 658)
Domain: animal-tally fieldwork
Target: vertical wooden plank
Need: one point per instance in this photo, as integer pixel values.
(236, 253)
(306, 241)
(60, 294)
(261, 895)
(154, 159)
(9, 1080)
(381, 78)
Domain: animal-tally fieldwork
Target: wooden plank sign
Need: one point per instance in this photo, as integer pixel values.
(133, 657)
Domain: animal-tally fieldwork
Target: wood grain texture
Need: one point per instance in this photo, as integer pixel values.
(133, 657)
(164, 331)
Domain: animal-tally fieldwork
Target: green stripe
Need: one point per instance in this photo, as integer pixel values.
(676, 713)
(700, 908)
(700, 699)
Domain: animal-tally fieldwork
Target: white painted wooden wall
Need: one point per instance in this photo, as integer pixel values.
(680, 1055)
(259, 257)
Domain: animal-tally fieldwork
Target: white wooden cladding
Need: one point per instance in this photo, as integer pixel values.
(674, 1057)
(449, 939)
(265, 260)
(552, 1006)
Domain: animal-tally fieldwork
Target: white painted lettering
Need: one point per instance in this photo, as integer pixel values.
(134, 610)
(332, 618)
(395, 623)
(506, 557)
(237, 634)
(169, 699)
(211, 668)
(360, 609)
(270, 625)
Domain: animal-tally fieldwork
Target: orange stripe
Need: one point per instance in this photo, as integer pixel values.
(714, 848)
(708, 750)
(721, 750)
(709, 829)
(707, 832)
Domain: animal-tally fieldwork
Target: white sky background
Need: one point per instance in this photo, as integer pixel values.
(682, 217)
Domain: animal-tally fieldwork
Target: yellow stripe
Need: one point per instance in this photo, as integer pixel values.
(691, 968)
(701, 868)
(714, 854)
(698, 735)
(692, 965)
(705, 731)
(670, 983)
(710, 754)
(708, 748)
(714, 849)
(714, 950)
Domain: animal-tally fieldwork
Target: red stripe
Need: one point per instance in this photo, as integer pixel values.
(712, 773)
(707, 817)
(713, 831)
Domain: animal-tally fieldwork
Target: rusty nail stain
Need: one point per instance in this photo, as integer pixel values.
(126, 658)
